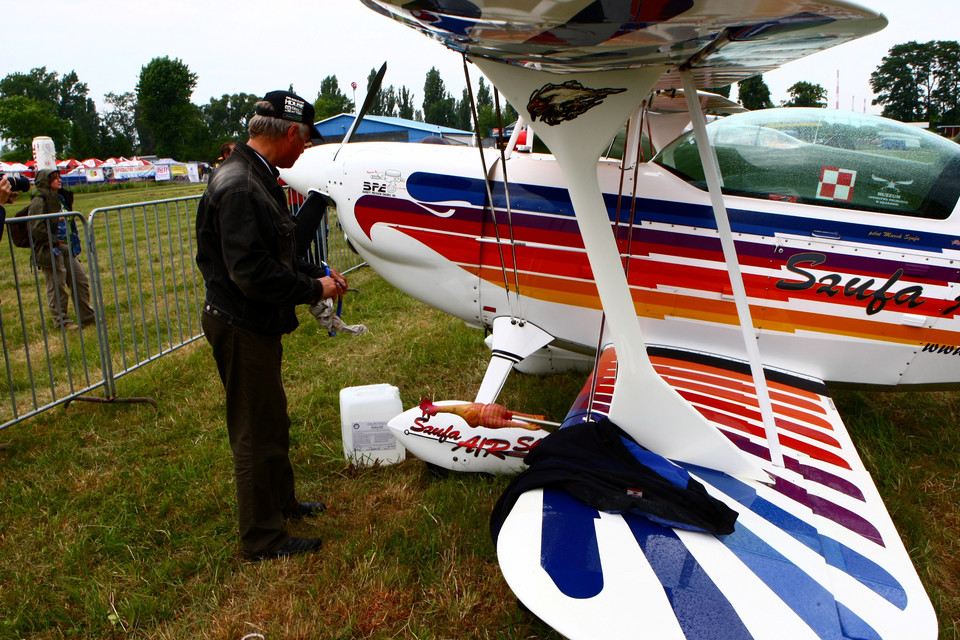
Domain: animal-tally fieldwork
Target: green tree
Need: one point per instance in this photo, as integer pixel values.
(37, 84)
(70, 103)
(439, 107)
(919, 82)
(379, 103)
(166, 113)
(486, 112)
(330, 100)
(805, 94)
(463, 112)
(405, 107)
(227, 117)
(509, 113)
(80, 111)
(22, 119)
(390, 102)
(754, 93)
(118, 130)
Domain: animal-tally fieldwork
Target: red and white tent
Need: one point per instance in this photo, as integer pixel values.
(13, 167)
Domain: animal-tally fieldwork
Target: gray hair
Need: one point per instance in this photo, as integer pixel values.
(273, 128)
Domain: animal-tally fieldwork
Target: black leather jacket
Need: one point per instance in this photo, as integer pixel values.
(246, 250)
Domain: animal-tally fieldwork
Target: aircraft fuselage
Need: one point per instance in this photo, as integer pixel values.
(846, 295)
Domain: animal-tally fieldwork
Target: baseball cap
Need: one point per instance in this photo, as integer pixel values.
(290, 106)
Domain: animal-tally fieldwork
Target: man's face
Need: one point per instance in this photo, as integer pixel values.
(293, 147)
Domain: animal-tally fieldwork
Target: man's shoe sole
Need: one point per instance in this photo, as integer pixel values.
(292, 547)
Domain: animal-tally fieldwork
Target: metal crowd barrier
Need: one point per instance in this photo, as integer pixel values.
(146, 291)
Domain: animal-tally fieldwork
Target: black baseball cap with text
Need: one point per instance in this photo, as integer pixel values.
(290, 106)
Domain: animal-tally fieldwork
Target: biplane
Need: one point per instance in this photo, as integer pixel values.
(713, 288)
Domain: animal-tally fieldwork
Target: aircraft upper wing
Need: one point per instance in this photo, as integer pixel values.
(814, 554)
(674, 101)
(722, 41)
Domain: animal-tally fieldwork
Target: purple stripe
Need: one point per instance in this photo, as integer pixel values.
(825, 478)
(826, 509)
(812, 474)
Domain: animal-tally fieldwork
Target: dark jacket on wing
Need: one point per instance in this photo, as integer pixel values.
(598, 464)
(246, 248)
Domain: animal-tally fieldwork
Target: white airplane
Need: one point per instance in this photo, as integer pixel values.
(713, 289)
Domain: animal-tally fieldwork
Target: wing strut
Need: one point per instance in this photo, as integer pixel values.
(577, 117)
(710, 170)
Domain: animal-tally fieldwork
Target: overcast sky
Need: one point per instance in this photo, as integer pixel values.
(240, 46)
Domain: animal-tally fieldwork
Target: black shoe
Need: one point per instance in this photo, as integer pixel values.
(305, 510)
(291, 547)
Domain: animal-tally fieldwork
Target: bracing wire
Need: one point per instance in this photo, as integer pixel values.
(636, 174)
(506, 193)
(596, 367)
(486, 181)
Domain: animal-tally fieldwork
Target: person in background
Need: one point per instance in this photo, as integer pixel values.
(56, 254)
(225, 150)
(254, 280)
(5, 196)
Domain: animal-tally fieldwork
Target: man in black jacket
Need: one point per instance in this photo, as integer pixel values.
(246, 253)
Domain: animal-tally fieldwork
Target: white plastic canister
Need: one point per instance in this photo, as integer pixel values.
(364, 413)
(44, 153)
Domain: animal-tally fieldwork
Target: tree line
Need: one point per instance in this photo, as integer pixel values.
(158, 117)
(914, 82)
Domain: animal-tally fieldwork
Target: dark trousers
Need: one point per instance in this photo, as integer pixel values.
(259, 428)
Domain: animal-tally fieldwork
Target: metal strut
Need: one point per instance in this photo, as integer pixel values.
(711, 171)
(633, 212)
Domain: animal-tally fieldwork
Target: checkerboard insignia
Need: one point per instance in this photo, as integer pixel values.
(836, 184)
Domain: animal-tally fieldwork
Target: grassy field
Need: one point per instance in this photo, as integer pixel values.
(119, 520)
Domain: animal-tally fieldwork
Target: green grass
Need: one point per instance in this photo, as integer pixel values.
(118, 521)
(128, 511)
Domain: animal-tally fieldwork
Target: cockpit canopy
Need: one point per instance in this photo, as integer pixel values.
(826, 157)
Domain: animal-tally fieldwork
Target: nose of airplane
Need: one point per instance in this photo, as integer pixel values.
(312, 170)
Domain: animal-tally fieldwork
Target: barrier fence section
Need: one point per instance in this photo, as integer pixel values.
(150, 291)
(146, 291)
(43, 365)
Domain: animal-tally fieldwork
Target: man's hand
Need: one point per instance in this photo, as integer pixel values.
(334, 285)
(5, 191)
(341, 281)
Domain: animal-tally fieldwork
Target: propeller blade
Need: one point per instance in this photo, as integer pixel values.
(371, 92)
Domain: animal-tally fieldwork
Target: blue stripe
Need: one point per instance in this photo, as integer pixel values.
(854, 626)
(699, 605)
(435, 187)
(569, 551)
(570, 556)
(836, 554)
(804, 595)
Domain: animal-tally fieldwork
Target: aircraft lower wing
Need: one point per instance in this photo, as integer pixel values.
(814, 553)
